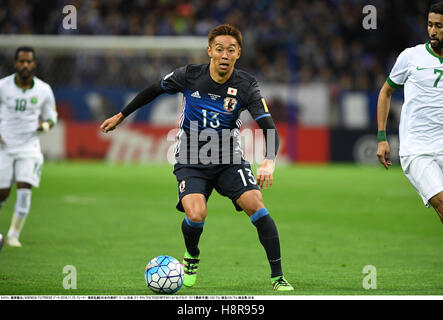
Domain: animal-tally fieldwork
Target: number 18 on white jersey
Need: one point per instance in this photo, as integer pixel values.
(21, 110)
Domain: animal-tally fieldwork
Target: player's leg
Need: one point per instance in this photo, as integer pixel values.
(194, 188)
(27, 172)
(437, 203)
(437, 200)
(6, 177)
(238, 183)
(4, 194)
(426, 176)
(192, 227)
(21, 212)
(1, 241)
(252, 203)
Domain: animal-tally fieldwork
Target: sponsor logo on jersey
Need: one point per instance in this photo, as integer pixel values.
(196, 94)
(213, 96)
(232, 91)
(229, 103)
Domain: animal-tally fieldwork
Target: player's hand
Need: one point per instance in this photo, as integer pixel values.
(264, 173)
(111, 123)
(44, 126)
(383, 152)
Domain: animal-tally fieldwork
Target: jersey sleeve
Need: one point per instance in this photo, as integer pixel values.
(49, 109)
(256, 104)
(400, 72)
(175, 81)
(1, 98)
(1, 103)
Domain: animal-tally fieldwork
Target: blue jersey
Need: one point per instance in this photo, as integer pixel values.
(210, 109)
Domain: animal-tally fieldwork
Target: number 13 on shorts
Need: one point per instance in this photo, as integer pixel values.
(250, 176)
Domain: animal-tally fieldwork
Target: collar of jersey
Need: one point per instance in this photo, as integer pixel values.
(215, 82)
(15, 82)
(432, 52)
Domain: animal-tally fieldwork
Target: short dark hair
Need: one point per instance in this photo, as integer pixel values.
(25, 49)
(437, 8)
(225, 30)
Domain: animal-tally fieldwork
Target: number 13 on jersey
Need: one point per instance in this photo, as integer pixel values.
(251, 177)
(213, 121)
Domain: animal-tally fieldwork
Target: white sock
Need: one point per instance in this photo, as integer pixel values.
(21, 211)
(16, 226)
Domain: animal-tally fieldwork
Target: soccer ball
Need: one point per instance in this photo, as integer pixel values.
(164, 274)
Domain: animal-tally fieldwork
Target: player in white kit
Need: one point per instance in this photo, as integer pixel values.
(27, 105)
(419, 70)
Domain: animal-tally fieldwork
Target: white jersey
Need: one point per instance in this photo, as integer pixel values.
(420, 71)
(21, 110)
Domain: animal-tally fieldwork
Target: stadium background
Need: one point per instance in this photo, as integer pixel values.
(319, 69)
(320, 72)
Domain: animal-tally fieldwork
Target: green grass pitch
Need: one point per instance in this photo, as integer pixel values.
(108, 221)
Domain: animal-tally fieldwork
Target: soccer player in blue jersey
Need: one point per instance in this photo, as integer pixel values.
(208, 153)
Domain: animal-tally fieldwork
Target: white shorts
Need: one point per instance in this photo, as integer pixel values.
(22, 164)
(425, 173)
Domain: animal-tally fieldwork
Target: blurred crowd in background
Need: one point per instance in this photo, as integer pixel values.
(285, 41)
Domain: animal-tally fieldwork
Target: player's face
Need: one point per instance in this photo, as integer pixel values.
(25, 64)
(435, 30)
(224, 51)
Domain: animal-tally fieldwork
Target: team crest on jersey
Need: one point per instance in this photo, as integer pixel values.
(182, 186)
(34, 100)
(229, 104)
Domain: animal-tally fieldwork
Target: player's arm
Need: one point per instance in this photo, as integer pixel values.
(383, 106)
(259, 111)
(0, 120)
(272, 142)
(144, 97)
(49, 114)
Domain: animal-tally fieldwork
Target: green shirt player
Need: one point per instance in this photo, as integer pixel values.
(27, 105)
(419, 71)
(214, 96)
